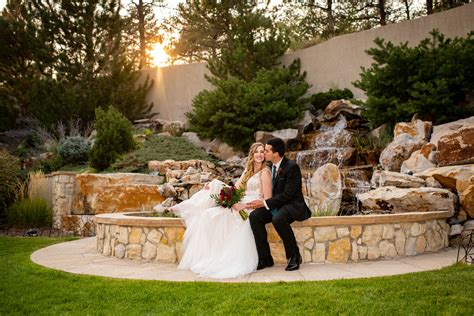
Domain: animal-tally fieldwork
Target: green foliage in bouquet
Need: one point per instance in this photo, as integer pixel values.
(236, 109)
(9, 171)
(321, 100)
(433, 79)
(74, 149)
(114, 137)
(228, 196)
(29, 213)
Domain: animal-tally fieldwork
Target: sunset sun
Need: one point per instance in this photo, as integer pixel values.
(159, 57)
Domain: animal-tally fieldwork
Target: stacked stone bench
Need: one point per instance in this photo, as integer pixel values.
(338, 239)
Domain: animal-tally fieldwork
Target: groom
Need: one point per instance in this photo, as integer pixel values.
(284, 207)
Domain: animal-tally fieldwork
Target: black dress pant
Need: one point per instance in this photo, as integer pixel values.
(281, 221)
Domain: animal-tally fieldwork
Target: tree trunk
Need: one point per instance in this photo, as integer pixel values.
(382, 12)
(141, 30)
(407, 9)
(429, 6)
(330, 19)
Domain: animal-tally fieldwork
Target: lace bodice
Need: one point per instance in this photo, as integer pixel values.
(254, 189)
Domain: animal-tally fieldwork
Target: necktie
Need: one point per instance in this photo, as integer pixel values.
(274, 174)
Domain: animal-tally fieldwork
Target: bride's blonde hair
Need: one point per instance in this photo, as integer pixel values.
(249, 167)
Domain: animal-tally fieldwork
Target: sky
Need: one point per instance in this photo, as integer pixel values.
(169, 4)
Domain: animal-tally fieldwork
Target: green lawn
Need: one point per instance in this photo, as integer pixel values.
(26, 288)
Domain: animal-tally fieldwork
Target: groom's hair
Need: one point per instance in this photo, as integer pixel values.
(277, 146)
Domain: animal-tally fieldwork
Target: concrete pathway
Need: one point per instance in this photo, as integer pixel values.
(80, 257)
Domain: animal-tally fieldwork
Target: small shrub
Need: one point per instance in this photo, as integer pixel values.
(322, 212)
(74, 149)
(52, 164)
(321, 100)
(9, 171)
(114, 137)
(364, 143)
(28, 213)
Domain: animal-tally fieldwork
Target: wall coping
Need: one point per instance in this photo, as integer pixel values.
(127, 219)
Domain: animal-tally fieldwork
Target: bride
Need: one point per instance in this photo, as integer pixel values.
(218, 243)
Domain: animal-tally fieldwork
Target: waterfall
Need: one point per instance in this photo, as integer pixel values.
(331, 145)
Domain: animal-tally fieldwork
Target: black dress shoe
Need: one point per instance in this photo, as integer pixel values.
(294, 263)
(264, 263)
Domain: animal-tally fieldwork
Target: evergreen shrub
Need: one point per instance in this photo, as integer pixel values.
(8, 115)
(159, 148)
(9, 171)
(114, 137)
(236, 109)
(74, 149)
(30, 213)
(433, 79)
(321, 100)
(54, 163)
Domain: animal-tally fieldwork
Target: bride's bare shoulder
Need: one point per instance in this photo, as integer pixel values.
(266, 171)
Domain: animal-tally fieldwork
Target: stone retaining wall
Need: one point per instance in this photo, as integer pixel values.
(76, 198)
(321, 239)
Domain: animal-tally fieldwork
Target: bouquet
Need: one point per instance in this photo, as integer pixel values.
(228, 196)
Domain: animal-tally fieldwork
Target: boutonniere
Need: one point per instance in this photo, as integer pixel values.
(280, 171)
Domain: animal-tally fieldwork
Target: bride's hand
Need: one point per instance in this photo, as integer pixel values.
(238, 207)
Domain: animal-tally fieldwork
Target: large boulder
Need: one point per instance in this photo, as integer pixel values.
(307, 123)
(451, 177)
(324, 190)
(408, 137)
(399, 150)
(112, 193)
(222, 151)
(344, 107)
(396, 179)
(398, 200)
(420, 160)
(466, 198)
(285, 134)
(174, 128)
(449, 128)
(457, 148)
(315, 158)
(418, 129)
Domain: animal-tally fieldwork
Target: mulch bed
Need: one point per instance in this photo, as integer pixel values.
(34, 232)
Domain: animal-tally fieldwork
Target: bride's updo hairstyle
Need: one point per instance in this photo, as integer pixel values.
(249, 171)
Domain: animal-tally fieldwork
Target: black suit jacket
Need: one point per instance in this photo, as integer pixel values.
(288, 191)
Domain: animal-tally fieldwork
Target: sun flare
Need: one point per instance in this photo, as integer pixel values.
(159, 57)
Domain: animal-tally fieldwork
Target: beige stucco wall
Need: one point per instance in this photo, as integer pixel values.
(334, 63)
(175, 87)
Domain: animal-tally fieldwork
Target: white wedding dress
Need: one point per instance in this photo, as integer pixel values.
(218, 243)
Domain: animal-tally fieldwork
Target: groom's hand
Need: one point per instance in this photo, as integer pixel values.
(255, 204)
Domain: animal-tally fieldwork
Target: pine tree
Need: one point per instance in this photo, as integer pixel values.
(80, 62)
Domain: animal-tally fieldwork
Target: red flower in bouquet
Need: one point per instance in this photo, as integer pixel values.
(228, 196)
